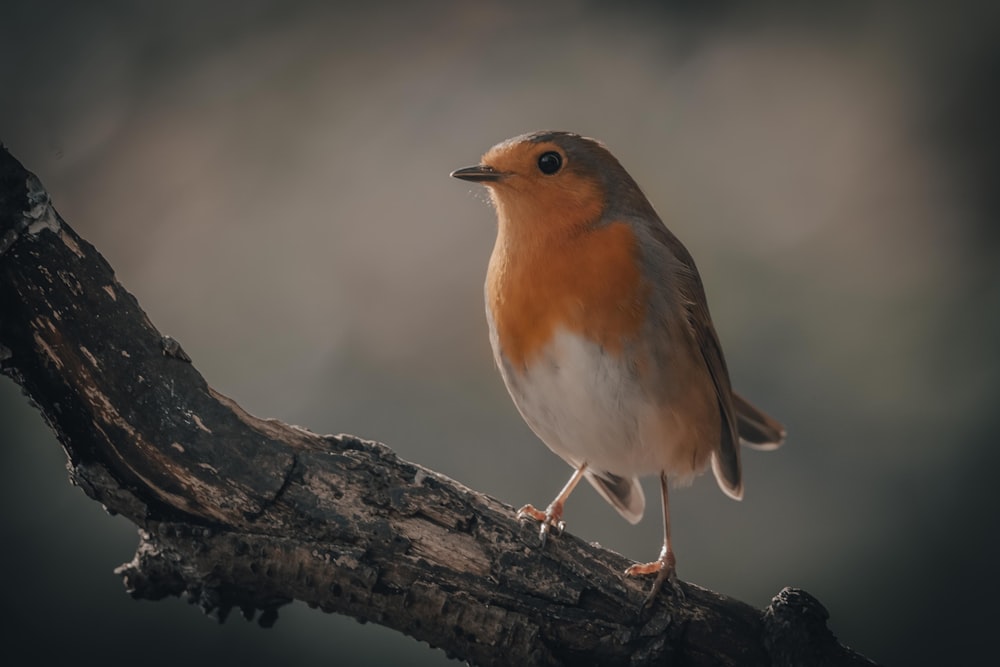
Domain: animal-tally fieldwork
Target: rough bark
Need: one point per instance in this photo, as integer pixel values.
(241, 512)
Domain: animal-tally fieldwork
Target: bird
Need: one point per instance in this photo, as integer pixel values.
(601, 332)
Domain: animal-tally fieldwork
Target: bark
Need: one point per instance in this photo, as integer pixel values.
(241, 512)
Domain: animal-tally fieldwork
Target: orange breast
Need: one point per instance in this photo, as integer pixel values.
(587, 282)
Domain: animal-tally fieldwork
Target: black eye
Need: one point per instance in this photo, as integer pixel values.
(549, 162)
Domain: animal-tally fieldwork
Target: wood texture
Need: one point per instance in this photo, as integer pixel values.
(239, 512)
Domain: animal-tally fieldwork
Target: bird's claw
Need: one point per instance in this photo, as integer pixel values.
(665, 569)
(529, 512)
(550, 520)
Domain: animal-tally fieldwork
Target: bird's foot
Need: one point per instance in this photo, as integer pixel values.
(550, 520)
(665, 569)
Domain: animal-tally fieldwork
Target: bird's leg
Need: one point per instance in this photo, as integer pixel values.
(552, 516)
(664, 567)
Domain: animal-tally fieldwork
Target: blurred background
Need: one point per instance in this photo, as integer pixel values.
(270, 179)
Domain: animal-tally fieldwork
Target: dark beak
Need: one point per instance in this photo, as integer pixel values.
(480, 173)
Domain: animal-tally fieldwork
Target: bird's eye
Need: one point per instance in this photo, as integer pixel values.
(549, 162)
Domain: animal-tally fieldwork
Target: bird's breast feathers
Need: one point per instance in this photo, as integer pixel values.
(587, 283)
(567, 329)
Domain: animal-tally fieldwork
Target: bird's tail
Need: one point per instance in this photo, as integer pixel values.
(756, 429)
(624, 493)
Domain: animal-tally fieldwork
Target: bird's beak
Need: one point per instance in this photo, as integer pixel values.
(480, 173)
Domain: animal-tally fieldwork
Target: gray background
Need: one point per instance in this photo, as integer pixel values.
(270, 180)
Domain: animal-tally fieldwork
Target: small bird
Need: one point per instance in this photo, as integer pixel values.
(601, 332)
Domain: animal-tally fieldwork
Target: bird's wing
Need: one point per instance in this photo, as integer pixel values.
(726, 458)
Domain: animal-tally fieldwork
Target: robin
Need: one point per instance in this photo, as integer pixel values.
(601, 331)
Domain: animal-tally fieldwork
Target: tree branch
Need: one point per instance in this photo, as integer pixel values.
(237, 511)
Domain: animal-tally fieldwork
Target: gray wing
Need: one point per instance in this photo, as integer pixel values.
(726, 457)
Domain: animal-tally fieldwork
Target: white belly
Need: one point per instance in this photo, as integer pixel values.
(587, 407)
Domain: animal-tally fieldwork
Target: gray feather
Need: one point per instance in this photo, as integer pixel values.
(624, 494)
